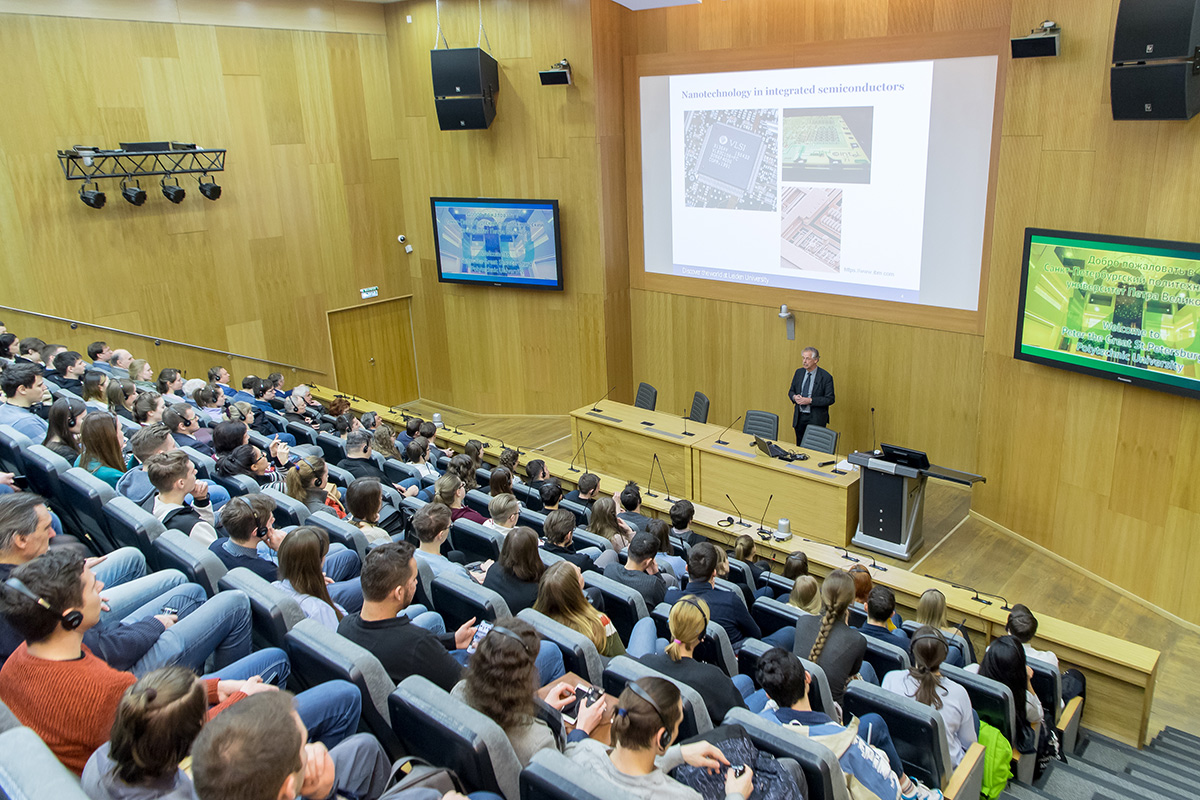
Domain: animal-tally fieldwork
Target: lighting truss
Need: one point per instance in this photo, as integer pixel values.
(90, 164)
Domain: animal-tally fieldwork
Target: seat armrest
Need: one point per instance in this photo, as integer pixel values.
(1068, 723)
(966, 782)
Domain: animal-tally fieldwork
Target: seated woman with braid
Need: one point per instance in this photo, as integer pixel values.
(829, 641)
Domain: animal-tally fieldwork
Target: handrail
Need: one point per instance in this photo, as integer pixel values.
(158, 340)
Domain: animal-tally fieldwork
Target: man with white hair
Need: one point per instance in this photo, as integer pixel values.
(118, 366)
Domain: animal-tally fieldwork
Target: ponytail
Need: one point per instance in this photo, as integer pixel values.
(929, 649)
(304, 475)
(688, 622)
(837, 593)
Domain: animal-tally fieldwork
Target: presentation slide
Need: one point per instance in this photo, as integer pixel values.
(864, 180)
(1127, 309)
(497, 241)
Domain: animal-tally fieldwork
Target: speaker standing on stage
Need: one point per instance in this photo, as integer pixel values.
(812, 394)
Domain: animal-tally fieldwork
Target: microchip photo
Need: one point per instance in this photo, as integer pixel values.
(730, 159)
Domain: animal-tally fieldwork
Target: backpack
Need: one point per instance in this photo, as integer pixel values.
(772, 781)
(415, 773)
(997, 760)
(865, 768)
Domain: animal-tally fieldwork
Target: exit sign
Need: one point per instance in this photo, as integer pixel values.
(369, 292)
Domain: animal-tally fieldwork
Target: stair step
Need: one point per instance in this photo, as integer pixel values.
(1172, 781)
(1073, 779)
(1117, 757)
(1174, 751)
(1021, 791)
(1182, 736)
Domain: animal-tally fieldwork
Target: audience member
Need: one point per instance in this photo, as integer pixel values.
(135, 483)
(473, 449)
(170, 382)
(462, 466)
(101, 355)
(509, 459)
(364, 502)
(450, 491)
(586, 494)
(428, 432)
(301, 559)
(674, 567)
(924, 683)
(251, 462)
(259, 750)
(805, 595)
(536, 473)
(682, 512)
(881, 604)
(645, 725)
(640, 571)
(745, 550)
(1004, 661)
(688, 623)
(631, 507)
(101, 441)
(605, 522)
(559, 530)
(66, 417)
(120, 363)
(726, 609)
(211, 402)
(10, 346)
(1024, 625)
(420, 458)
(122, 394)
(346, 424)
(358, 462)
(23, 388)
(383, 441)
(173, 475)
(95, 390)
(560, 597)
(516, 574)
(220, 377)
(69, 369)
(249, 520)
(931, 611)
(29, 353)
(412, 427)
(142, 375)
(431, 524)
(148, 408)
(504, 510)
(184, 424)
(308, 482)
(499, 482)
(551, 495)
(827, 640)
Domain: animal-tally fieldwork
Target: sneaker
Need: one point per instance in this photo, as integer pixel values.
(920, 791)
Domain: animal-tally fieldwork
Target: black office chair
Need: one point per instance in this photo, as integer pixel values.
(819, 438)
(647, 397)
(699, 408)
(761, 423)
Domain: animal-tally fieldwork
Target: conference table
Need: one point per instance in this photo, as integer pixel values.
(1121, 675)
(721, 468)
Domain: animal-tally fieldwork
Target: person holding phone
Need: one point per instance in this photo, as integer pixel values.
(501, 681)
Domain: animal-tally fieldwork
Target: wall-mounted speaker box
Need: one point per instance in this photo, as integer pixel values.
(1041, 45)
(1167, 90)
(1153, 29)
(466, 81)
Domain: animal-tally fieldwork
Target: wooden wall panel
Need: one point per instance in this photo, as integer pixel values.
(311, 201)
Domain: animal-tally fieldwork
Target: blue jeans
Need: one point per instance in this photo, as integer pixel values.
(220, 628)
(342, 563)
(217, 494)
(785, 637)
(643, 639)
(347, 594)
(867, 673)
(120, 566)
(330, 711)
(874, 731)
(422, 617)
(756, 701)
(145, 597)
(425, 494)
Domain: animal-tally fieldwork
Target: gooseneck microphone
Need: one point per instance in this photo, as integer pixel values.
(739, 513)
(873, 439)
(762, 523)
(685, 422)
(581, 444)
(602, 399)
(721, 438)
(663, 475)
(651, 480)
(846, 554)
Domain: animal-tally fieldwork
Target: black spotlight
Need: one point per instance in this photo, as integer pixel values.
(209, 189)
(134, 194)
(173, 193)
(92, 197)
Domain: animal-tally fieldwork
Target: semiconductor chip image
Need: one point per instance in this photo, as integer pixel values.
(731, 159)
(830, 145)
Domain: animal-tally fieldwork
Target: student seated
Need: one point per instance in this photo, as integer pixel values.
(364, 503)
(500, 481)
(308, 481)
(449, 490)
(587, 492)
(560, 597)
(727, 610)
(259, 750)
(805, 595)
(428, 432)
(157, 719)
(95, 388)
(66, 418)
(645, 725)
(1024, 625)
(412, 427)
(745, 550)
(135, 483)
(559, 530)
(183, 422)
(358, 462)
(640, 572)
(630, 509)
(828, 641)
(1004, 662)
(881, 605)
(795, 566)
(516, 574)
(509, 459)
(24, 388)
(170, 382)
(503, 510)
(931, 611)
(682, 513)
(173, 475)
(501, 680)
(209, 400)
(248, 460)
(536, 474)
(674, 568)
(403, 646)
(689, 621)
(69, 369)
(301, 559)
(419, 454)
(786, 683)
(149, 407)
(924, 683)
(431, 524)
(551, 494)
(605, 522)
(101, 442)
(463, 467)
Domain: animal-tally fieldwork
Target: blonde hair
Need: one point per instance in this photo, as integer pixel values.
(744, 548)
(688, 621)
(931, 609)
(445, 489)
(722, 562)
(561, 599)
(837, 594)
(805, 595)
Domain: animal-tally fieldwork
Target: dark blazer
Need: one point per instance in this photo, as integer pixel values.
(725, 609)
(822, 397)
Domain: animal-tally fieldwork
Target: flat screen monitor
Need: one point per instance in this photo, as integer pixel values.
(1115, 307)
(498, 242)
(905, 457)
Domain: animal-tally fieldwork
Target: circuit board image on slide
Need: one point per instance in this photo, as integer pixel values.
(831, 145)
(812, 228)
(731, 159)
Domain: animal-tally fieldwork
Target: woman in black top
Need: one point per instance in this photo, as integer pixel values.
(827, 640)
(62, 434)
(515, 576)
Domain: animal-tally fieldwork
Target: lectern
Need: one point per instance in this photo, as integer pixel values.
(891, 499)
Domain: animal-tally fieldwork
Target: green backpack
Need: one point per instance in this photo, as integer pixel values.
(997, 761)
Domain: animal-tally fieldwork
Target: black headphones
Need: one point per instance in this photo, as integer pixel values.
(664, 741)
(511, 634)
(260, 530)
(70, 620)
(316, 476)
(691, 601)
(936, 636)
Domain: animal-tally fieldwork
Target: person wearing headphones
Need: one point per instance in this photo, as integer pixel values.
(644, 726)
(308, 482)
(689, 623)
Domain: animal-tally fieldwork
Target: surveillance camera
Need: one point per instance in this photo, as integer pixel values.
(402, 238)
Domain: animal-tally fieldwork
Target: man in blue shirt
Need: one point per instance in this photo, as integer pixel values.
(881, 604)
(726, 609)
(24, 387)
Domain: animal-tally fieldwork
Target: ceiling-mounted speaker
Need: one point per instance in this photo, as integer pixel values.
(466, 81)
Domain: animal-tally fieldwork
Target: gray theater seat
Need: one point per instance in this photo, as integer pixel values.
(623, 605)
(579, 652)
(288, 510)
(821, 770)
(274, 612)
(623, 669)
(458, 599)
(30, 771)
(553, 776)
(176, 551)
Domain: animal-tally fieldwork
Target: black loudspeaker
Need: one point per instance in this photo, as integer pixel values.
(465, 84)
(1154, 29)
(1167, 90)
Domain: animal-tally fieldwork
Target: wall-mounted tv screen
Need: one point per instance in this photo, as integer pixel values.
(1116, 307)
(498, 242)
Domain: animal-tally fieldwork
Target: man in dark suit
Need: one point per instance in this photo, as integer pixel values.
(811, 393)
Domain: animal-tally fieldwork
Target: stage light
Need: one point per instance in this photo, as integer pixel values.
(92, 197)
(174, 193)
(134, 194)
(209, 189)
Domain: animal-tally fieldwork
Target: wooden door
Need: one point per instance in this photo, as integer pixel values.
(373, 353)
